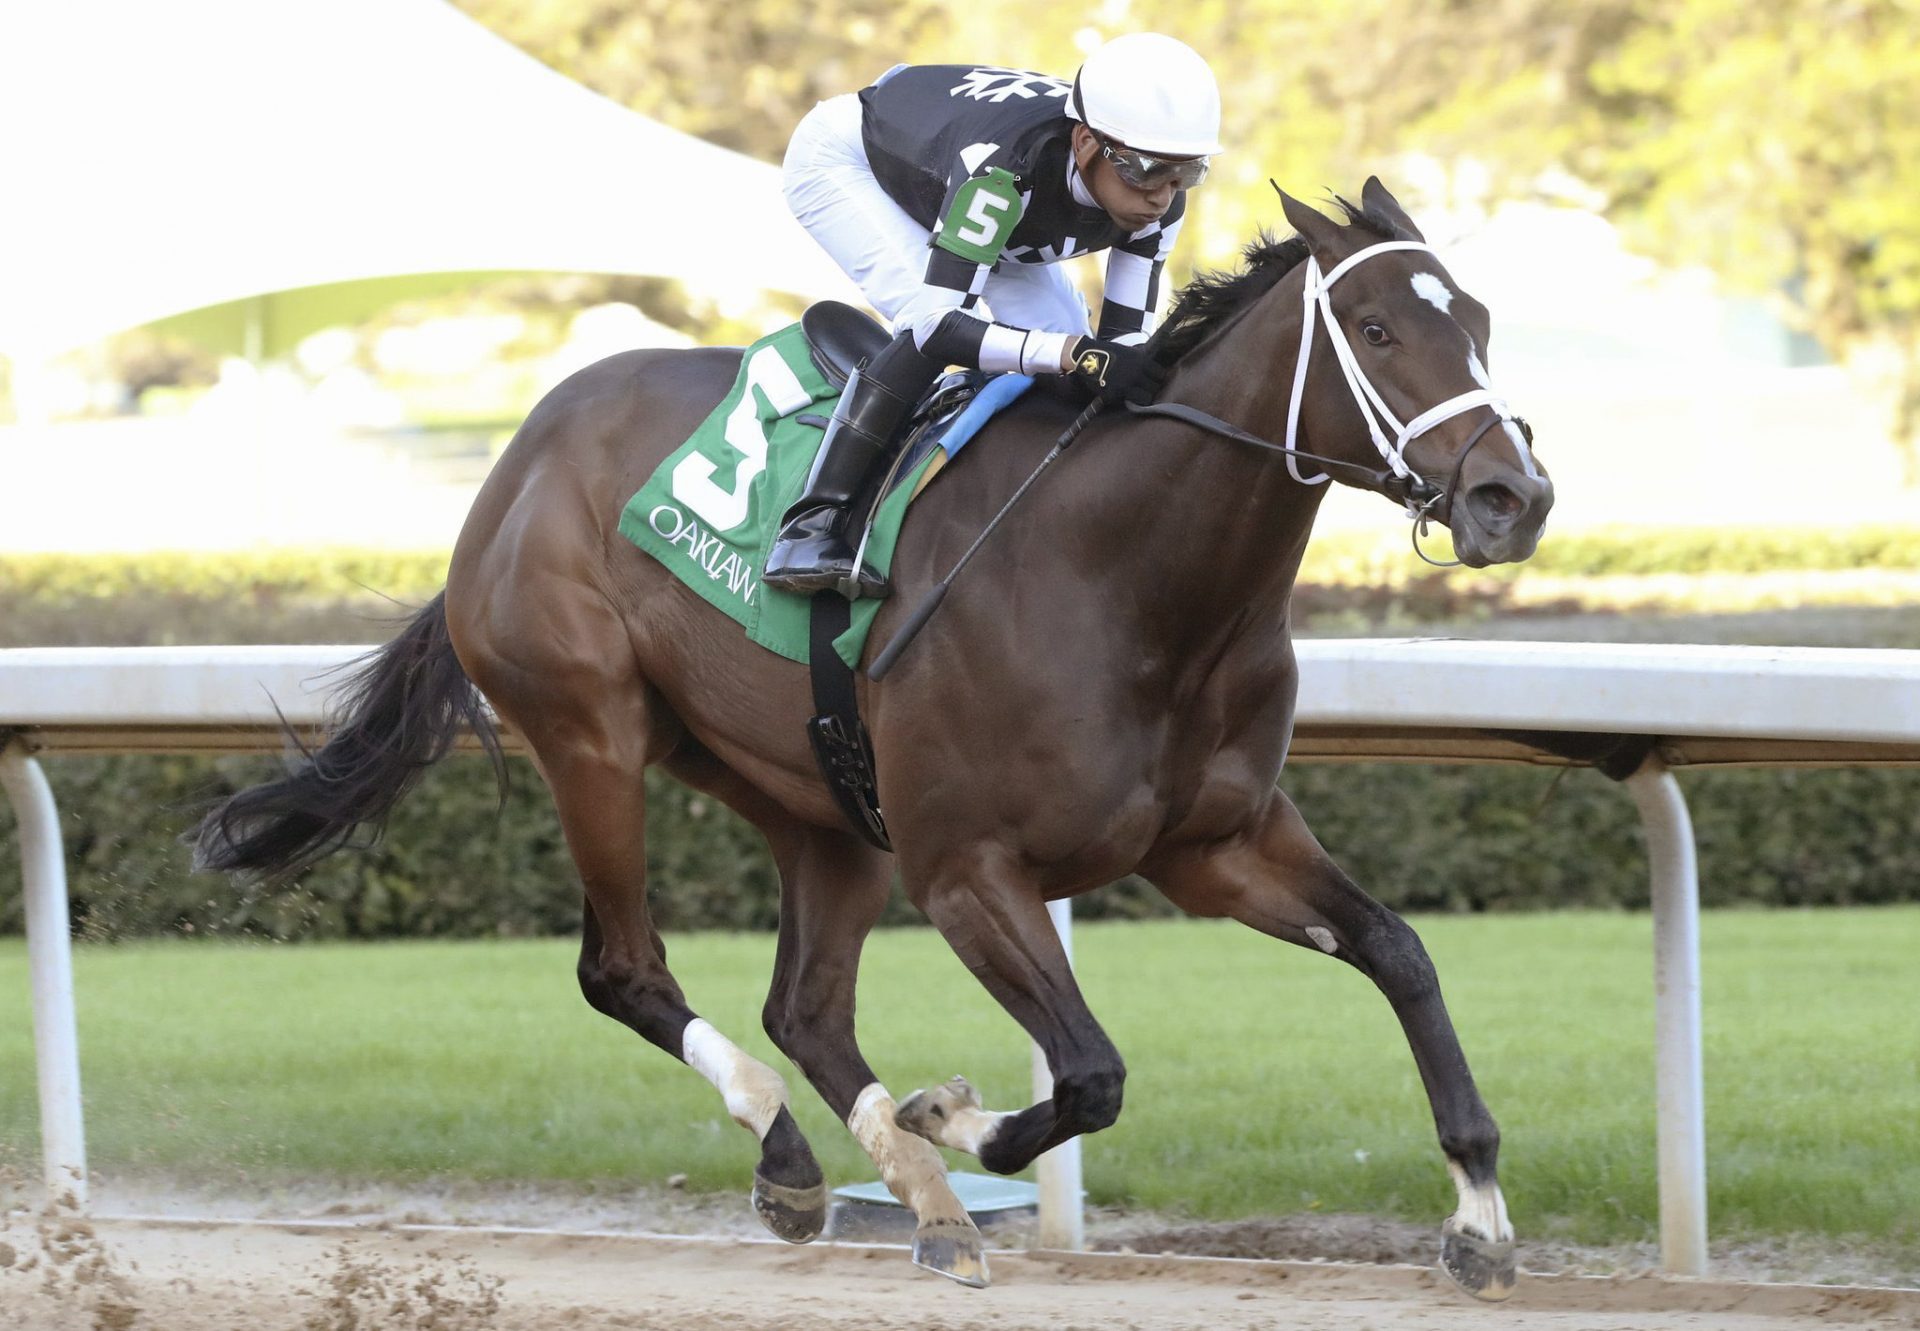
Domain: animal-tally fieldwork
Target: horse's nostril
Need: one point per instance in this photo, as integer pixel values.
(1496, 502)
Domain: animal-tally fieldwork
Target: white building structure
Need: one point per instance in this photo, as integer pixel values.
(164, 158)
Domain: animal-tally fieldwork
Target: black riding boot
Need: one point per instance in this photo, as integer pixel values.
(815, 551)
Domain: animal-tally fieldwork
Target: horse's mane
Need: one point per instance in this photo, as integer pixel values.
(1211, 300)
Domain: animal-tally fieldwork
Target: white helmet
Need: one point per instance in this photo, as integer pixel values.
(1150, 92)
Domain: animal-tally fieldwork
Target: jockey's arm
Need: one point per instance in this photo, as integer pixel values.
(976, 222)
(1132, 295)
(948, 327)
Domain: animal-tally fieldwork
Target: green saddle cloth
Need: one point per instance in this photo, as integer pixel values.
(712, 509)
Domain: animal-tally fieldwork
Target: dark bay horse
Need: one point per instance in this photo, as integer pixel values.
(1109, 690)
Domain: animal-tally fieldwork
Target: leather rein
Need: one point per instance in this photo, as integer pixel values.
(1419, 496)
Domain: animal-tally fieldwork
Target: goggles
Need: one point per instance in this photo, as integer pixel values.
(1145, 171)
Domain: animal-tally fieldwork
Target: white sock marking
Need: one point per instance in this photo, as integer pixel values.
(753, 1091)
(1482, 1210)
(910, 1166)
(968, 1129)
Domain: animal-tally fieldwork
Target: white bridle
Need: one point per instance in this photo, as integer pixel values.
(1381, 422)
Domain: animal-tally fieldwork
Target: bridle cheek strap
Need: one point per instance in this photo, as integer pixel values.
(1389, 436)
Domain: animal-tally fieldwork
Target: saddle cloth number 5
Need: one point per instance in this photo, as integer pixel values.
(693, 484)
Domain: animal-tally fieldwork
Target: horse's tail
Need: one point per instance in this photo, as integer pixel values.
(399, 712)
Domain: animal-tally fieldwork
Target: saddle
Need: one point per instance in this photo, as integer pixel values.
(841, 339)
(708, 519)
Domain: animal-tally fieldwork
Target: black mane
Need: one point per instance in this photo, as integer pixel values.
(1211, 300)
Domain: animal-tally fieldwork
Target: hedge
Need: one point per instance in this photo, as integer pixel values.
(1345, 559)
(235, 578)
(453, 864)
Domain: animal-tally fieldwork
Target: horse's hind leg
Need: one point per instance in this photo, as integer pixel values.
(833, 887)
(582, 704)
(1277, 879)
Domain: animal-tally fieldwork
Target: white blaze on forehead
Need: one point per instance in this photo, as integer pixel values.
(1433, 291)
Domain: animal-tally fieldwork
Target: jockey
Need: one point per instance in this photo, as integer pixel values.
(949, 193)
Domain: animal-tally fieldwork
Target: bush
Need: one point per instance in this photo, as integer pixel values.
(233, 578)
(1375, 561)
(459, 863)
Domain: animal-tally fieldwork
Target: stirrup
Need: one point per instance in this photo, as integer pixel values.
(823, 561)
(869, 583)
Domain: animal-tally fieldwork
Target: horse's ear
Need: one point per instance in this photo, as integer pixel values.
(1375, 198)
(1321, 231)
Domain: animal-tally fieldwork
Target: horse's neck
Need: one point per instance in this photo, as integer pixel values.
(1214, 529)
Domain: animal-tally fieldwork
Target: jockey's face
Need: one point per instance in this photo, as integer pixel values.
(1130, 208)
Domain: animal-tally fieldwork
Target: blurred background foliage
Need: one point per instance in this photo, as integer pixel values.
(1775, 141)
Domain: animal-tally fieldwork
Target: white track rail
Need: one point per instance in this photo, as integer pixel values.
(1637, 710)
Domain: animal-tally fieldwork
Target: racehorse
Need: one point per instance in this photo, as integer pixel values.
(1109, 691)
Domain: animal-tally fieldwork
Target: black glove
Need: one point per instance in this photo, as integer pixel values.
(1114, 373)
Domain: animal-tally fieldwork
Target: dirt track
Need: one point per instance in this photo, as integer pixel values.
(119, 1275)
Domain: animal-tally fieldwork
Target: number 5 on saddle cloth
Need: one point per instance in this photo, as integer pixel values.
(710, 511)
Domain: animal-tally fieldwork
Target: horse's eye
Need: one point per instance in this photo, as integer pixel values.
(1375, 334)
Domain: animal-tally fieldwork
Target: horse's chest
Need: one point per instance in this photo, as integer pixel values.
(1224, 754)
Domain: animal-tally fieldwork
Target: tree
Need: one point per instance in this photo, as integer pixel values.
(1776, 141)
(742, 83)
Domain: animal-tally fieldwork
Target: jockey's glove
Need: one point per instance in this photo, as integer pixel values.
(1114, 372)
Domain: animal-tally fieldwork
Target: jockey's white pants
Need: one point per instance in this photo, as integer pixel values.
(830, 188)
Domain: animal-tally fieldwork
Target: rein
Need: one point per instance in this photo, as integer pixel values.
(1397, 480)
(1416, 493)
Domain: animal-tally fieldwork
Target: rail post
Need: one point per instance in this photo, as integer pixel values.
(43, 876)
(1062, 1219)
(1681, 1115)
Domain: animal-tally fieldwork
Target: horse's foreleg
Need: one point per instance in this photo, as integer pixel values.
(833, 888)
(996, 921)
(1277, 879)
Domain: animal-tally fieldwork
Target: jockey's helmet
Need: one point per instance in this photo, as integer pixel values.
(1150, 92)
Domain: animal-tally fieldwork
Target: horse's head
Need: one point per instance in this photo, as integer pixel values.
(1398, 372)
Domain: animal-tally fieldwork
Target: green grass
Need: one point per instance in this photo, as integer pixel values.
(1257, 1071)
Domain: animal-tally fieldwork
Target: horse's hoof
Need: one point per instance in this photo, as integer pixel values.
(794, 1214)
(926, 1113)
(951, 1248)
(1482, 1267)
